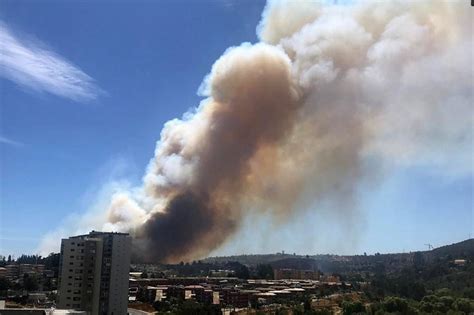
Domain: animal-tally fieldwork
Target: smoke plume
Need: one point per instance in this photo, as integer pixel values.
(306, 115)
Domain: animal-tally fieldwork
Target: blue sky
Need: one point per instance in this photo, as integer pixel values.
(137, 67)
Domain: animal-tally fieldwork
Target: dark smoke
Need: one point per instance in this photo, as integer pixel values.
(187, 222)
(252, 105)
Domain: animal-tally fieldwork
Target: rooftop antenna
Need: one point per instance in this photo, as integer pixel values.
(430, 247)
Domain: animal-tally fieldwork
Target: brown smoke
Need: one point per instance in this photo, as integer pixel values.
(302, 117)
(252, 105)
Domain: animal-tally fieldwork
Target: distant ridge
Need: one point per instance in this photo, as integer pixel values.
(463, 249)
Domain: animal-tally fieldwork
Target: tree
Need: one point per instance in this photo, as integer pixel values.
(242, 272)
(418, 261)
(52, 261)
(30, 282)
(469, 293)
(395, 304)
(52, 296)
(9, 260)
(349, 308)
(463, 305)
(321, 312)
(443, 292)
(307, 305)
(142, 295)
(4, 284)
(47, 284)
(265, 271)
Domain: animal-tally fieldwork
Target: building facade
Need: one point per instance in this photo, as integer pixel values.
(12, 272)
(93, 273)
(279, 274)
(34, 269)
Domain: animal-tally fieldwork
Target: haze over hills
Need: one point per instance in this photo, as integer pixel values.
(463, 249)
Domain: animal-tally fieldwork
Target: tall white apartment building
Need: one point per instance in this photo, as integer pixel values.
(94, 271)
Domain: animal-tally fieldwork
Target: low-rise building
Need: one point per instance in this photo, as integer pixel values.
(12, 271)
(330, 279)
(30, 269)
(280, 274)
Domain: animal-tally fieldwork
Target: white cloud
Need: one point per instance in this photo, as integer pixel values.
(29, 64)
(8, 141)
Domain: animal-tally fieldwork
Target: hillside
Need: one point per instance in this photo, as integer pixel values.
(464, 249)
(393, 262)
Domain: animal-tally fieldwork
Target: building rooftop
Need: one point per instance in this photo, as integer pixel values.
(93, 233)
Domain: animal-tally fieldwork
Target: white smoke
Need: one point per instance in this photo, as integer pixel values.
(405, 66)
(94, 218)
